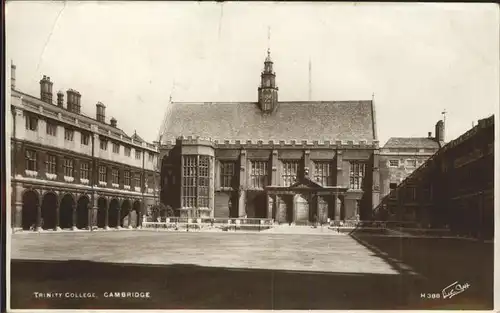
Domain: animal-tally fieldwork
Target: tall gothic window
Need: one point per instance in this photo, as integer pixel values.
(227, 173)
(203, 181)
(30, 158)
(68, 167)
(103, 173)
(356, 175)
(322, 173)
(137, 179)
(290, 171)
(195, 181)
(258, 174)
(115, 176)
(190, 172)
(50, 165)
(84, 170)
(126, 178)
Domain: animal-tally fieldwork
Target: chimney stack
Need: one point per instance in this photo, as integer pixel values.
(113, 122)
(73, 101)
(100, 112)
(12, 75)
(46, 89)
(440, 131)
(60, 99)
(429, 134)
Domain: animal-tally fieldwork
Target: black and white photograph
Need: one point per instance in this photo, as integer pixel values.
(251, 155)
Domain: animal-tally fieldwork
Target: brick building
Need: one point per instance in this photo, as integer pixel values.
(400, 156)
(70, 170)
(453, 188)
(290, 161)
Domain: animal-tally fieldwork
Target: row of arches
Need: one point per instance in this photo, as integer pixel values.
(70, 213)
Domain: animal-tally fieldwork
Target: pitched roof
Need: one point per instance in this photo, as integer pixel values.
(305, 120)
(412, 142)
(55, 108)
(137, 137)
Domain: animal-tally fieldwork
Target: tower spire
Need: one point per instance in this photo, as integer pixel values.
(268, 40)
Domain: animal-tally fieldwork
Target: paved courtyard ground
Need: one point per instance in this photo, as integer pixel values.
(238, 271)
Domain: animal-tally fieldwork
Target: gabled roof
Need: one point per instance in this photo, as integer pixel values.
(137, 137)
(412, 142)
(301, 120)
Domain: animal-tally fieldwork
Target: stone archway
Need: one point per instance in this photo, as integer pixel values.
(30, 207)
(136, 208)
(101, 212)
(125, 213)
(260, 206)
(66, 211)
(113, 213)
(49, 210)
(82, 212)
(301, 208)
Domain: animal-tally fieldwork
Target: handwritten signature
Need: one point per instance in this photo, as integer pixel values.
(454, 289)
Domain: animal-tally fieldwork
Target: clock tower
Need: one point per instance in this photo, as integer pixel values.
(268, 92)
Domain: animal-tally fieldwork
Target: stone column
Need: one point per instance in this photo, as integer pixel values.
(243, 184)
(106, 216)
(319, 209)
(38, 216)
(142, 212)
(75, 217)
(340, 171)
(129, 218)
(338, 205)
(17, 215)
(58, 214)
(307, 164)
(294, 210)
(270, 204)
(274, 168)
(119, 225)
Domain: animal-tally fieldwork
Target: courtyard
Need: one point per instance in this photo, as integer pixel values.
(184, 270)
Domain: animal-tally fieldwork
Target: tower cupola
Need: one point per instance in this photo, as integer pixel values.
(268, 91)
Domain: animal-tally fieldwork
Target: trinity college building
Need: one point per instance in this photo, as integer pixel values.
(72, 171)
(291, 161)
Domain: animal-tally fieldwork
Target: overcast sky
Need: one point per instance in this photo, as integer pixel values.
(418, 59)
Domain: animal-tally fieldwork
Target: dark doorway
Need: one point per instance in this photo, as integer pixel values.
(49, 210)
(114, 208)
(125, 213)
(82, 212)
(233, 205)
(260, 205)
(101, 213)
(66, 212)
(30, 204)
(137, 210)
(313, 210)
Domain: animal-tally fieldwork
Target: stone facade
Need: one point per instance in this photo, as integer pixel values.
(294, 162)
(454, 188)
(288, 200)
(399, 157)
(73, 171)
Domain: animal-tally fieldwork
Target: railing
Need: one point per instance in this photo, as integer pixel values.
(225, 224)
